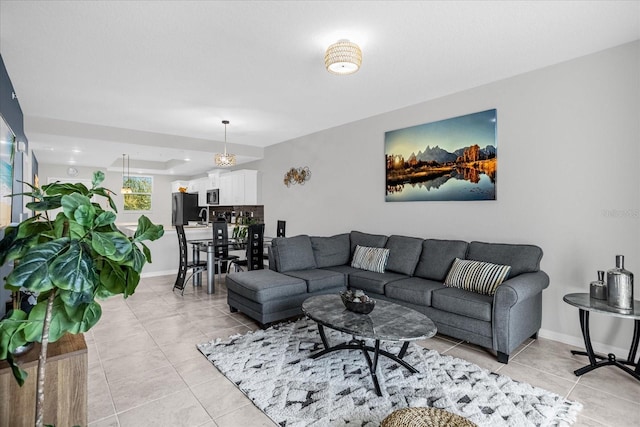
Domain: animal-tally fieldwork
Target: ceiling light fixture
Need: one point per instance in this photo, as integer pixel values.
(226, 159)
(343, 57)
(126, 189)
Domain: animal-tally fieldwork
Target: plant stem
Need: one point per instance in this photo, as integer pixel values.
(42, 360)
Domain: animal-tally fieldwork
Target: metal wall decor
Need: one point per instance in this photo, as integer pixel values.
(297, 176)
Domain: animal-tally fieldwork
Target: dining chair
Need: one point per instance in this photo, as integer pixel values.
(255, 252)
(221, 246)
(185, 266)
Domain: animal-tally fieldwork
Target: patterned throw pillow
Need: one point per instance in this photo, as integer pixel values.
(476, 276)
(372, 259)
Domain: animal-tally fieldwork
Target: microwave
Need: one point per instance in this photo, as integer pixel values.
(213, 196)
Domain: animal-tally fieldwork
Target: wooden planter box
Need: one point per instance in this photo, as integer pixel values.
(65, 386)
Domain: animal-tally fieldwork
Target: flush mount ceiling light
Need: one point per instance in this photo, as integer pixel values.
(225, 160)
(343, 57)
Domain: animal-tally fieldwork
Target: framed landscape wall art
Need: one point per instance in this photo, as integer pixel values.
(449, 160)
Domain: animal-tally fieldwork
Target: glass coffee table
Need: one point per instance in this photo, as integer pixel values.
(387, 322)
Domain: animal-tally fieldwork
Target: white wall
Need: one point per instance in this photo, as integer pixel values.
(568, 155)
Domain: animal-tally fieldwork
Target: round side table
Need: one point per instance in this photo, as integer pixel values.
(585, 305)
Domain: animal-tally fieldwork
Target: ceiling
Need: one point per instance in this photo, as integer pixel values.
(154, 79)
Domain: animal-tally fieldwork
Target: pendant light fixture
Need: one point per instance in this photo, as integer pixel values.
(125, 183)
(226, 159)
(343, 57)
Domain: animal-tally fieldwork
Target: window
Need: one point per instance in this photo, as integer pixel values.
(140, 197)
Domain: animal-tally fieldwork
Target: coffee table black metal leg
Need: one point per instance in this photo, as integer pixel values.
(403, 350)
(323, 337)
(373, 365)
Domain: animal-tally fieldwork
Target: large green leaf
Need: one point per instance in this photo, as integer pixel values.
(84, 316)
(113, 278)
(98, 177)
(60, 322)
(65, 188)
(105, 218)
(75, 299)
(114, 245)
(33, 328)
(133, 278)
(11, 335)
(33, 270)
(7, 243)
(32, 226)
(45, 204)
(73, 270)
(146, 251)
(147, 230)
(71, 202)
(84, 215)
(136, 259)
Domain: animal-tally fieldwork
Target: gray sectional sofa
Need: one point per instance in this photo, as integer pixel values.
(414, 276)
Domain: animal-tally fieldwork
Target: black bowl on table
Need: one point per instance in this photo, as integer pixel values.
(360, 307)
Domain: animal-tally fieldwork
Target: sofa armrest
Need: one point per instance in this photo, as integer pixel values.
(520, 288)
(517, 310)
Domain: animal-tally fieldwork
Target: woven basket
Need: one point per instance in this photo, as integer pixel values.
(425, 417)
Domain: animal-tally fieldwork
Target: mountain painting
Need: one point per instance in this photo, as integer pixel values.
(449, 160)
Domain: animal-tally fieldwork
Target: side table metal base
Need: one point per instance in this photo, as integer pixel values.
(597, 361)
(356, 344)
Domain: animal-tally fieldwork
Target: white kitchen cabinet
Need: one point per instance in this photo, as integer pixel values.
(200, 186)
(239, 188)
(214, 180)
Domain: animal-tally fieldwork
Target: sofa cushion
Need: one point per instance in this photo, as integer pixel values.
(521, 258)
(370, 259)
(293, 253)
(413, 290)
(404, 253)
(318, 279)
(345, 270)
(437, 257)
(331, 251)
(464, 303)
(264, 285)
(369, 281)
(476, 276)
(365, 239)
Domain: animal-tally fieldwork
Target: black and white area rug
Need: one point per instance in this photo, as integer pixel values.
(273, 368)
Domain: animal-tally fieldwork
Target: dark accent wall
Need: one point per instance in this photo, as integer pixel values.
(12, 114)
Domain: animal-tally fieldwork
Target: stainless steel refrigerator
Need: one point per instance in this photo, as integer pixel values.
(184, 208)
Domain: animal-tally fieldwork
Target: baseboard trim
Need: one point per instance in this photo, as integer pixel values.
(598, 347)
(159, 273)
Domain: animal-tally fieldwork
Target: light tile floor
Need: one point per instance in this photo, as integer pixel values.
(145, 370)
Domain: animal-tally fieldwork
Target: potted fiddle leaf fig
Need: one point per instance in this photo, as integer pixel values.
(72, 255)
